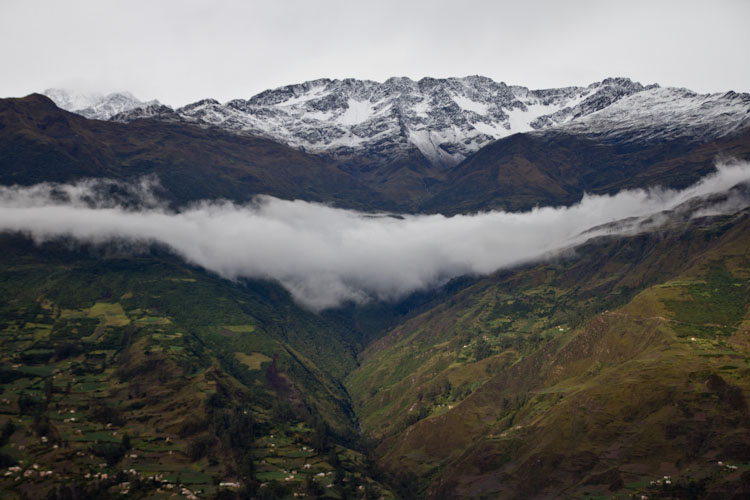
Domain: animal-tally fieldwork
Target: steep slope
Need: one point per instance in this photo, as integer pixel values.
(42, 143)
(598, 373)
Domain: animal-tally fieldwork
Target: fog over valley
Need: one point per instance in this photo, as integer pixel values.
(325, 256)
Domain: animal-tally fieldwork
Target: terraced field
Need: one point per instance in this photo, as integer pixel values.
(128, 394)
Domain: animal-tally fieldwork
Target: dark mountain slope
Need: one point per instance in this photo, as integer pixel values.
(41, 142)
(556, 168)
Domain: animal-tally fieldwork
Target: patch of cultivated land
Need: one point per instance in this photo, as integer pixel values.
(126, 393)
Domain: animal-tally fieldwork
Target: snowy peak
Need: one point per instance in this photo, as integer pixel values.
(667, 113)
(596, 96)
(72, 101)
(95, 105)
(443, 119)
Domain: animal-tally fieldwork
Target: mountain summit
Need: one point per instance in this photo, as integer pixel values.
(95, 105)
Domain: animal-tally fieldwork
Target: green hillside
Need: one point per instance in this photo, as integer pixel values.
(588, 376)
(212, 382)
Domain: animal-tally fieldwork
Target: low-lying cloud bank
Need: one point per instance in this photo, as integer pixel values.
(325, 256)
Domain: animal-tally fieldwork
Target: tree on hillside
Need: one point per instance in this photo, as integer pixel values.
(482, 350)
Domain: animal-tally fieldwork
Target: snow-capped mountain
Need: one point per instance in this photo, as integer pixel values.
(71, 100)
(95, 105)
(667, 113)
(447, 120)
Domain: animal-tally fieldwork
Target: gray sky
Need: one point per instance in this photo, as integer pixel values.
(182, 50)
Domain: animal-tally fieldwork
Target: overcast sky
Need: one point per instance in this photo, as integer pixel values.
(182, 50)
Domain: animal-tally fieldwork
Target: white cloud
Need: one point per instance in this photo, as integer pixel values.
(324, 255)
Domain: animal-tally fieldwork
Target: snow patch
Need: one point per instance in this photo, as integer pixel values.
(520, 120)
(421, 108)
(468, 105)
(356, 112)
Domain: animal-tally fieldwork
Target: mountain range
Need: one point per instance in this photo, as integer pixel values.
(616, 367)
(445, 120)
(617, 119)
